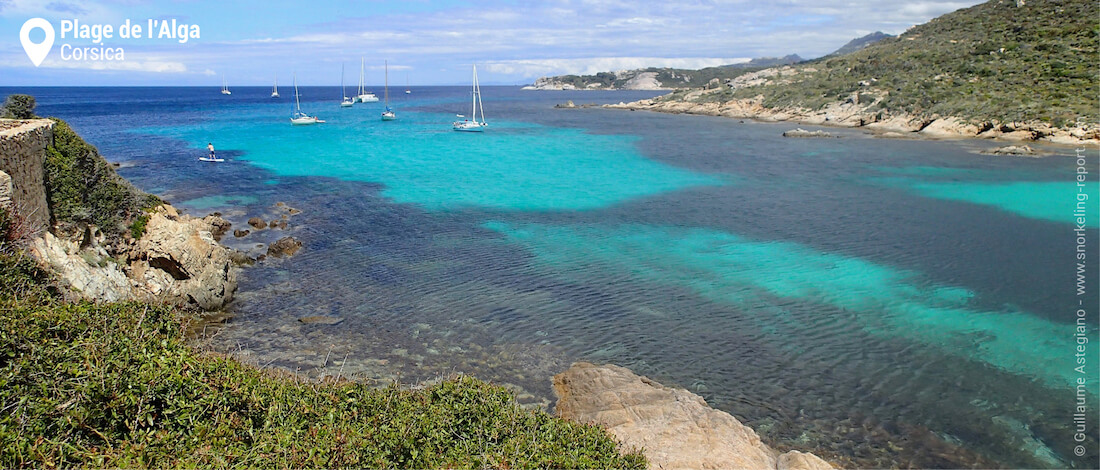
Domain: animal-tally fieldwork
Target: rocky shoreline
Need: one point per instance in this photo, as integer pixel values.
(853, 114)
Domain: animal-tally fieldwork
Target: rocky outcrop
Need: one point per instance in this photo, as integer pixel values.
(1013, 150)
(853, 112)
(89, 273)
(800, 132)
(674, 428)
(643, 81)
(178, 260)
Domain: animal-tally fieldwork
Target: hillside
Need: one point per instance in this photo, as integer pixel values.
(861, 43)
(995, 69)
(654, 78)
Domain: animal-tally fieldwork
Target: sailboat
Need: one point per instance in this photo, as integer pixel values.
(275, 87)
(225, 87)
(346, 102)
(363, 95)
(408, 91)
(471, 125)
(388, 114)
(299, 118)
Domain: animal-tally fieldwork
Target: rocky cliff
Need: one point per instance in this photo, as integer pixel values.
(674, 427)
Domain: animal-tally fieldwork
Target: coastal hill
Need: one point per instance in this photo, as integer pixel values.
(654, 78)
(861, 43)
(1015, 70)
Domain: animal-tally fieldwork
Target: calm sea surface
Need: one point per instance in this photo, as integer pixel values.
(879, 302)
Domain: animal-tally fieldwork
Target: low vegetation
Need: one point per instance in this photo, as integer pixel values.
(994, 61)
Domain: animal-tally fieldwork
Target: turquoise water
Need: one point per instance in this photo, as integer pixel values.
(420, 160)
(1044, 200)
(886, 301)
(882, 303)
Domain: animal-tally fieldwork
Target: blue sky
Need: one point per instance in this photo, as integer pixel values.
(434, 42)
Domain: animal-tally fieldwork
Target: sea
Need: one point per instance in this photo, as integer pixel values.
(879, 302)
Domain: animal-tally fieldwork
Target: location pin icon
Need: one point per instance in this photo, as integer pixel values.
(37, 52)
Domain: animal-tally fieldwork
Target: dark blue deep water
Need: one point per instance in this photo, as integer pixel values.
(878, 302)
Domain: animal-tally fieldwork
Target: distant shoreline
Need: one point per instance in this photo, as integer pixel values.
(897, 127)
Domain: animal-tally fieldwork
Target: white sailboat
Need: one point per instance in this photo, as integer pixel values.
(472, 125)
(275, 87)
(346, 102)
(408, 91)
(363, 95)
(388, 114)
(225, 87)
(299, 118)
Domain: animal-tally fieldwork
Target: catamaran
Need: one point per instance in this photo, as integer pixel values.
(388, 114)
(471, 125)
(275, 87)
(225, 87)
(346, 102)
(363, 95)
(299, 118)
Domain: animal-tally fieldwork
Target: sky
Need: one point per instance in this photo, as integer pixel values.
(429, 42)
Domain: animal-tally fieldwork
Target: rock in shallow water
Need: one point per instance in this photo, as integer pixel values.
(285, 246)
(676, 428)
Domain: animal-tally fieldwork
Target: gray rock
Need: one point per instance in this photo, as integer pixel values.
(257, 223)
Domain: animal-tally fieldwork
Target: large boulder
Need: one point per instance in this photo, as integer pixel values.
(178, 260)
(674, 427)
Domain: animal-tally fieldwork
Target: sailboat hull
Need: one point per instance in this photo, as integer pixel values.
(389, 117)
(469, 126)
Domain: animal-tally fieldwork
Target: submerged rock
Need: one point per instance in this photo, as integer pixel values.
(285, 246)
(257, 223)
(674, 427)
(240, 233)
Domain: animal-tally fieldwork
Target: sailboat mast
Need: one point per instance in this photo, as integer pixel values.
(387, 84)
(361, 84)
(343, 89)
(473, 97)
(297, 104)
(477, 92)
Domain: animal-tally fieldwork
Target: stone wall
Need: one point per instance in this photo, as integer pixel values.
(22, 157)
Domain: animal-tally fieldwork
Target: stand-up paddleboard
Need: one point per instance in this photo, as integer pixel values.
(208, 159)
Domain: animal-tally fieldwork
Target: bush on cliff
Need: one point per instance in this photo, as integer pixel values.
(116, 385)
(18, 107)
(83, 188)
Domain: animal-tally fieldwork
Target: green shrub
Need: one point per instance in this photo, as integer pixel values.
(19, 107)
(137, 228)
(83, 188)
(116, 385)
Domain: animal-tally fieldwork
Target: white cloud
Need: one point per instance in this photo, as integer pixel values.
(589, 66)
